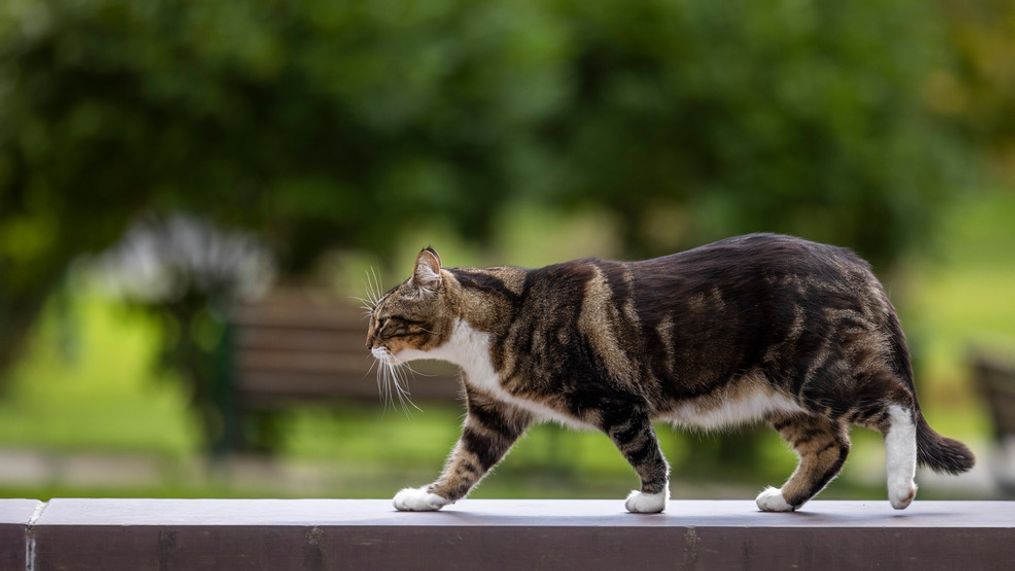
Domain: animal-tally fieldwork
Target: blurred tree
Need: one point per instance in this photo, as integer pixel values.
(317, 124)
(725, 117)
(188, 273)
(978, 92)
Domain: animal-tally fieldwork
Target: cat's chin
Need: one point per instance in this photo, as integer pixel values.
(409, 355)
(418, 500)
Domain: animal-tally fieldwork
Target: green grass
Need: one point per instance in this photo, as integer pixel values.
(965, 298)
(88, 384)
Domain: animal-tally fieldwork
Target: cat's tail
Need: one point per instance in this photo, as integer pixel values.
(937, 452)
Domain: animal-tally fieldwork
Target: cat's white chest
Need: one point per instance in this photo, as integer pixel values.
(470, 350)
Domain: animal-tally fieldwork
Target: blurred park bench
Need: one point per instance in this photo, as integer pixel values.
(299, 348)
(995, 377)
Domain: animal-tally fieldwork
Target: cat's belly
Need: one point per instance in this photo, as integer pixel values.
(491, 386)
(731, 407)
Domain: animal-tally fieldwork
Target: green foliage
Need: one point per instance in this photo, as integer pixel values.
(977, 91)
(319, 123)
(725, 117)
(324, 124)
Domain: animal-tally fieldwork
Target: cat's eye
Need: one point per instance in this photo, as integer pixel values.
(405, 320)
(393, 319)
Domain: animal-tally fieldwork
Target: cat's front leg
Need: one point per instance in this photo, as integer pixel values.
(632, 433)
(489, 431)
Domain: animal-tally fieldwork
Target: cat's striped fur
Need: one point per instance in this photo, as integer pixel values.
(759, 327)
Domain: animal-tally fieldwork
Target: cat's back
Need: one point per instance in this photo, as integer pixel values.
(754, 278)
(754, 256)
(749, 269)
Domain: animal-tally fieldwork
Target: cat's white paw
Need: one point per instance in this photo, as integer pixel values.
(640, 503)
(771, 500)
(902, 494)
(418, 500)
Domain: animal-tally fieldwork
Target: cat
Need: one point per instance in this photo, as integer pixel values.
(762, 327)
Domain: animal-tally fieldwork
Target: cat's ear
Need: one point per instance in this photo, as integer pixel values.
(427, 273)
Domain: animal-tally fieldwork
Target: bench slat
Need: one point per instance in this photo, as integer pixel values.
(260, 390)
(302, 362)
(301, 340)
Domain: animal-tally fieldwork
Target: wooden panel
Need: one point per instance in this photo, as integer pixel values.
(309, 318)
(304, 362)
(294, 347)
(522, 534)
(15, 534)
(255, 338)
(264, 390)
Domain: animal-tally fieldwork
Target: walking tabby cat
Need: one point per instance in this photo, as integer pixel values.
(760, 327)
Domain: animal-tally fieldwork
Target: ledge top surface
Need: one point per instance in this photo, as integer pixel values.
(17, 511)
(529, 513)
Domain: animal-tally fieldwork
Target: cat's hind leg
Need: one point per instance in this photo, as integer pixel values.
(822, 446)
(900, 456)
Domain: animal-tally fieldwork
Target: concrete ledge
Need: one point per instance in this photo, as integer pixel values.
(499, 534)
(15, 519)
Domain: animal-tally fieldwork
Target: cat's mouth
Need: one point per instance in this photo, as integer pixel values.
(381, 353)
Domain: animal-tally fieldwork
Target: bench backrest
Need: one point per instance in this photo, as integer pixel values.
(295, 346)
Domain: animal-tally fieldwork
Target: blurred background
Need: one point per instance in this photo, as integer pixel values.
(191, 194)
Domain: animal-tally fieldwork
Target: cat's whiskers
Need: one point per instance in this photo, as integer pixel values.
(406, 365)
(402, 386)
(374, 286)
(373, 292)
(372, 365)
(399, 390)
(392, 382)
(384, 378)
(365, 303)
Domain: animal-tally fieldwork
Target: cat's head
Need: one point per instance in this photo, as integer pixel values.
(414, 317)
